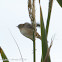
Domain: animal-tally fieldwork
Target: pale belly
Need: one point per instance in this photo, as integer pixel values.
(27, 33)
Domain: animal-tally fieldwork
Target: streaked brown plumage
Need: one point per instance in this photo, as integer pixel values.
(27, 30)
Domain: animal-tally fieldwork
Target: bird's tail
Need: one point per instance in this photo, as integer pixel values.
(38, 36)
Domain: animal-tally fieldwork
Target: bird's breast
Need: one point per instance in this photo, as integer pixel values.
(27, 33)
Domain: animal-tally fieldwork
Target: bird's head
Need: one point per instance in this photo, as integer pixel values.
(20, 26)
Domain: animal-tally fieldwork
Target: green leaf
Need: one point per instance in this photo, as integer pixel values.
(4, 58)
(49, 15)
(60, 2)
(44, 38)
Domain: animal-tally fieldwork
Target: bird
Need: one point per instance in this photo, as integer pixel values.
(26, 29)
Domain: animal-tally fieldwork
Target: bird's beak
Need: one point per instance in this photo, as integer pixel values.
(17, 26)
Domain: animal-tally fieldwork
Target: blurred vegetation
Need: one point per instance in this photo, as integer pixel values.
(4, 58)
(60, 2)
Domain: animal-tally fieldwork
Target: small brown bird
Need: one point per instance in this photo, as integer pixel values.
(27, 30)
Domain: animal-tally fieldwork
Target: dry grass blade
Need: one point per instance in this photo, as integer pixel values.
(30, 9)
(48, 51)
(17, 46)
(33, 11)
